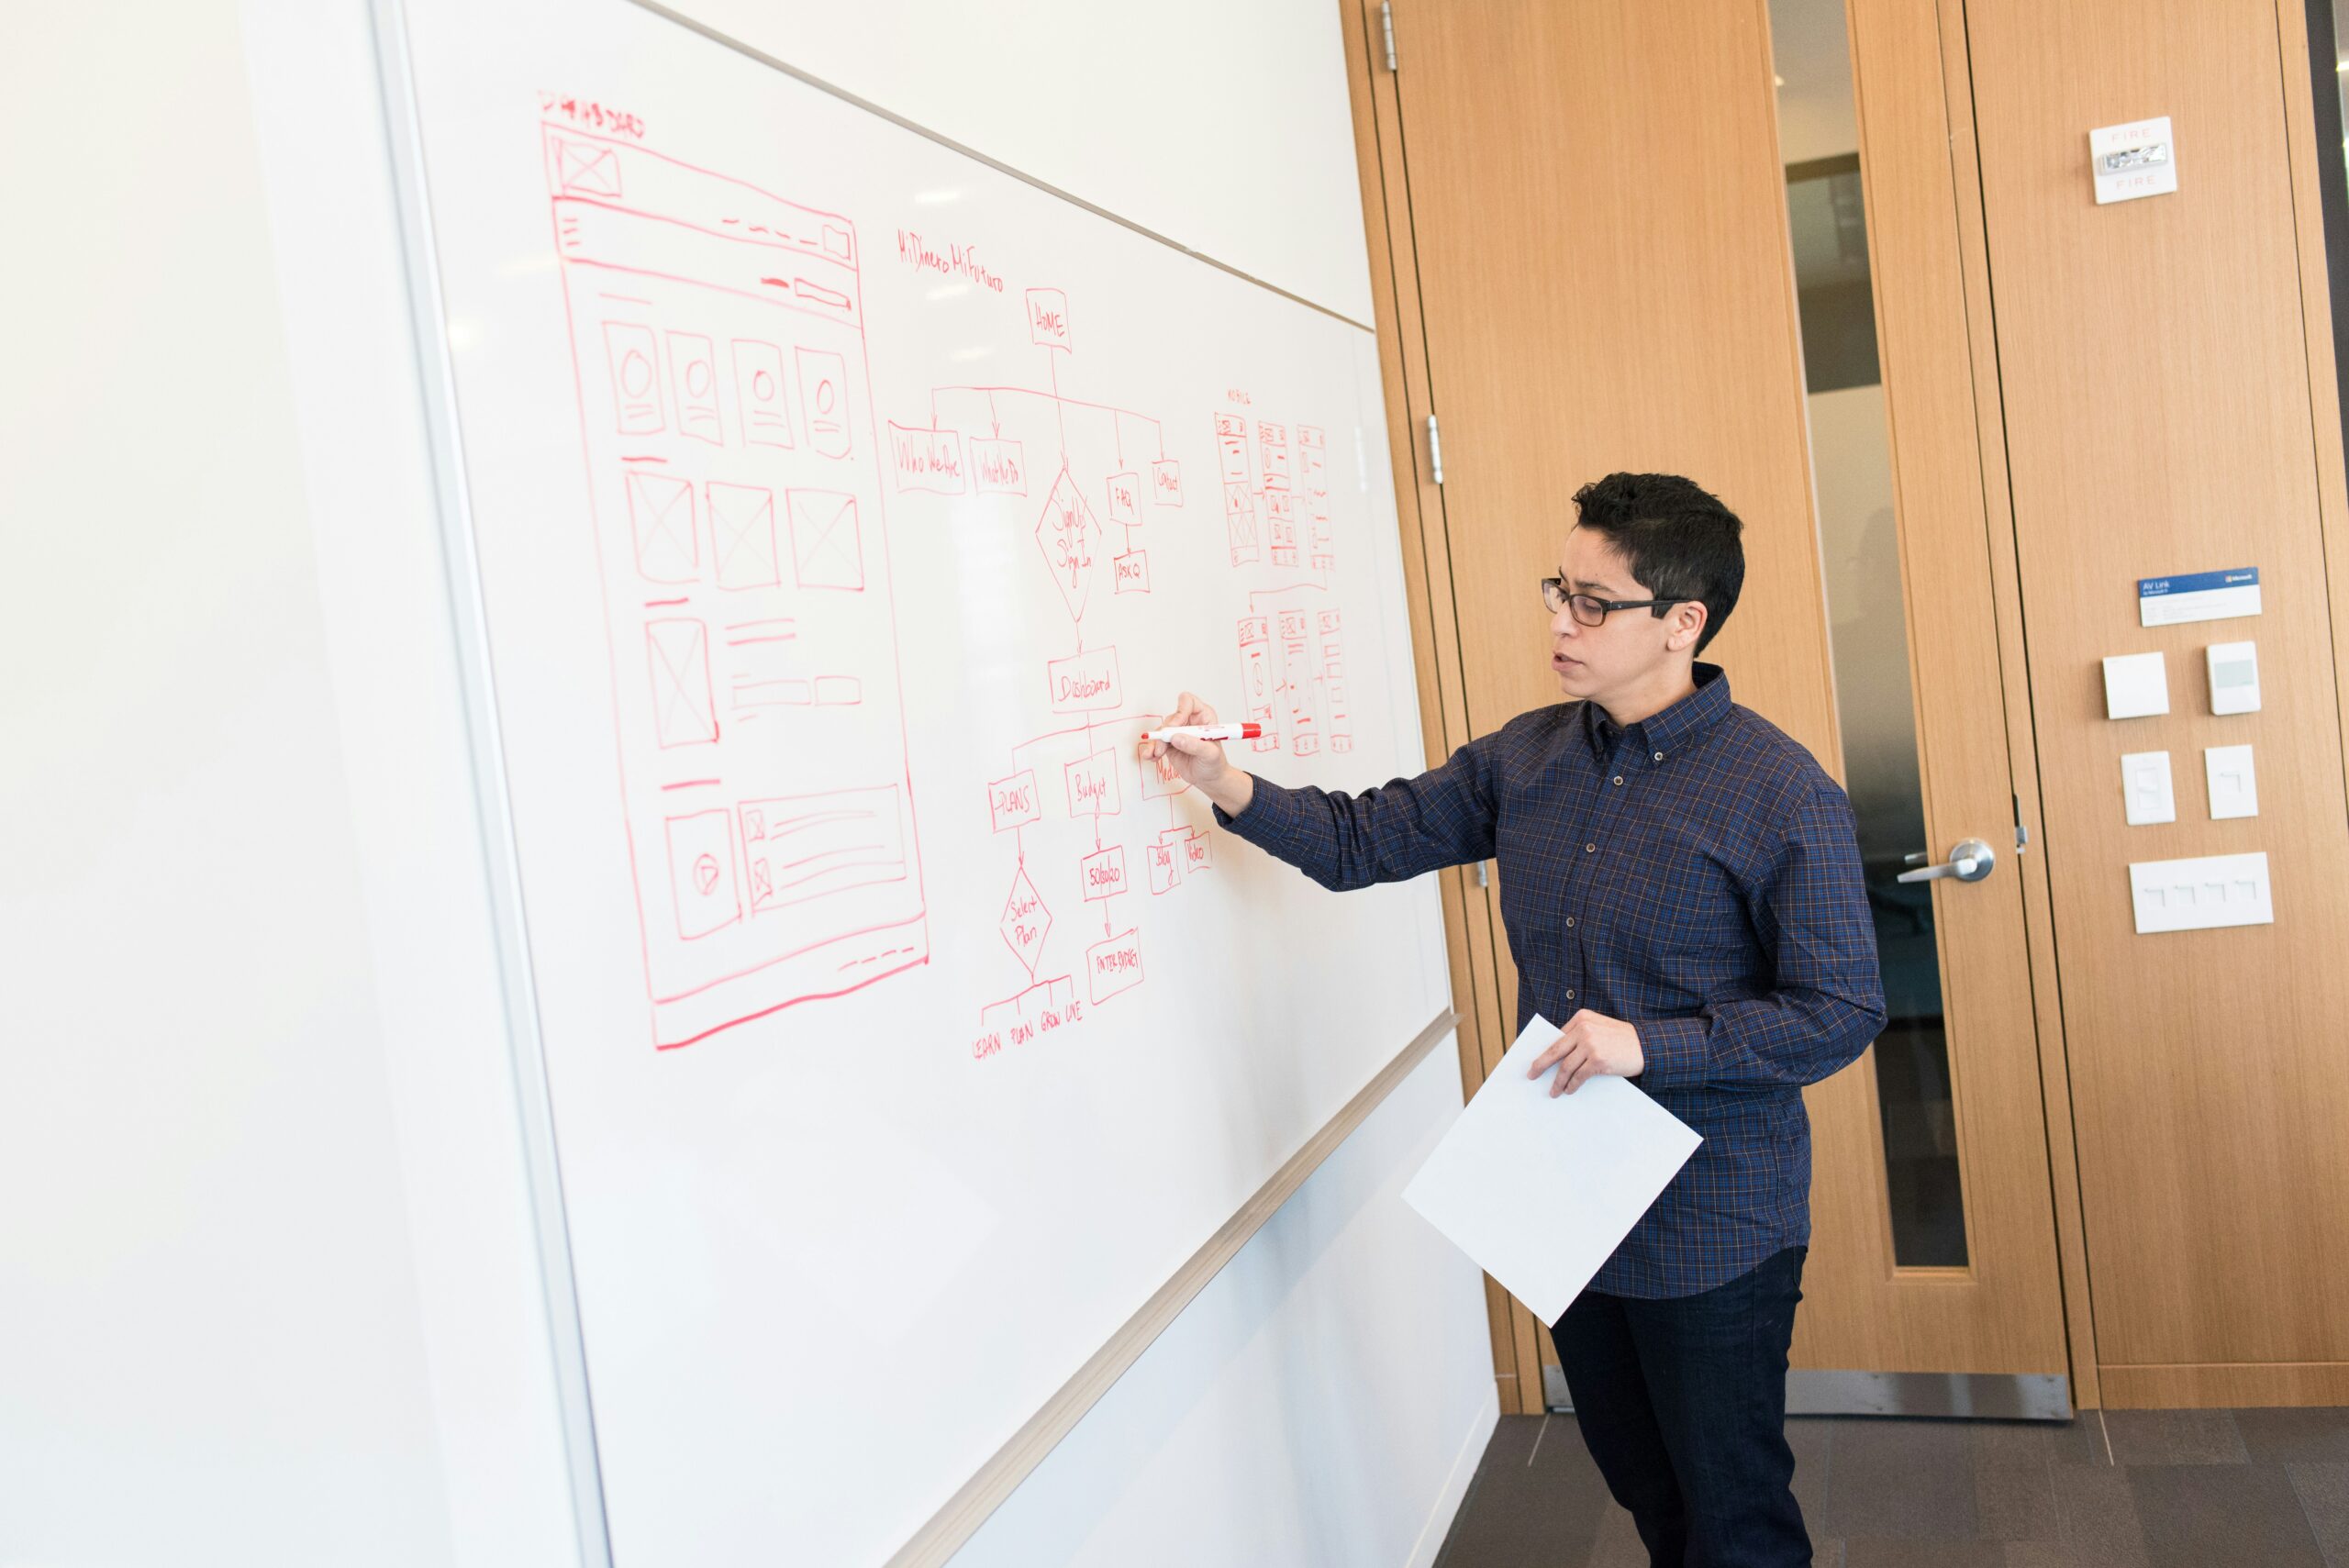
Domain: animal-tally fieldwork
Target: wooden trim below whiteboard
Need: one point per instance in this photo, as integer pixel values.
(956, 1523)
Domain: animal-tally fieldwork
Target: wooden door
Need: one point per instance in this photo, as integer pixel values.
(2167, 379)
(1586, 253)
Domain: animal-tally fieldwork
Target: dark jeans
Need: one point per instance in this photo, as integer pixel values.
(1684, 1405)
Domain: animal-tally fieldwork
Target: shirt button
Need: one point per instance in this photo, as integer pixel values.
(1570, 995)
(1659, 756)
(1619, 780)
(1590, 849)
(1570, 922)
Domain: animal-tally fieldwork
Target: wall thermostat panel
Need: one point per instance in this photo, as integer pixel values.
(2234, 676)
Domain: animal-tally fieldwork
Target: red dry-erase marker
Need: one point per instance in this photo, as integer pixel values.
(1206, 733)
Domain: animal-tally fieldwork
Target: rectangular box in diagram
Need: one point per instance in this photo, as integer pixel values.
(1155, 788)
(664, 525)
(1083, 682)
(925, 459)
(1240, 524)
(1232, 449)
(762, 394)
(1113, 965)
(701, 872)
(1256, 680)
(1165, 858)
(1104, 873)
(1272, 444)
(1333, 683)
(998, 468)
(1280, 526)
(1092, 786)
(1300, 684)
(676, 659)
(1239, 503)
(1125, 499)
(1012, 801)
(693, 376)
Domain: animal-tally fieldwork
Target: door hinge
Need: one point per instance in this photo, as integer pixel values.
(1387, 25)
(1435, 451)
(1482, 880)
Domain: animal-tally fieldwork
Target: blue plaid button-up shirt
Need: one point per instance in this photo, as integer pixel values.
(1695, 875)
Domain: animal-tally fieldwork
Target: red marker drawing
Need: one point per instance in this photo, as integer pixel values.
(1206, 732)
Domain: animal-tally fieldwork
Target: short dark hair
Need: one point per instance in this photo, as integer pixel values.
(1676, 537)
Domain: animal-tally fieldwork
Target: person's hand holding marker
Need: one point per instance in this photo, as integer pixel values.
(1197, 759)
(1590, 1045)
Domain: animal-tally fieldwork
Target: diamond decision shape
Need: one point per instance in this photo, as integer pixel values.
(1025, 920)
(1067, 534)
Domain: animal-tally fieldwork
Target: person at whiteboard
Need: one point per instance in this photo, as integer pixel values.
(1681, 884)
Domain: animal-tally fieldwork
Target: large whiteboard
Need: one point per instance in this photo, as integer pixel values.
(839, 504)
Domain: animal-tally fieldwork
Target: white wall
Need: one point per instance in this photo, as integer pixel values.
(273, 1298)
(210, 1347)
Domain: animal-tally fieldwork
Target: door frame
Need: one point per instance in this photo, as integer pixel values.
(1521, 1343)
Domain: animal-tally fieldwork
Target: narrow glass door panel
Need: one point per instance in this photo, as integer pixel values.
(1860, 548)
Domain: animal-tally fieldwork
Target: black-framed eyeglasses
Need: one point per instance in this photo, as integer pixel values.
(1589, 609)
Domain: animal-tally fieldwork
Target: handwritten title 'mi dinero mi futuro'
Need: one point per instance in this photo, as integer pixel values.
(955, 261)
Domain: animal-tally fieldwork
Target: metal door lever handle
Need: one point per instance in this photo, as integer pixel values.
(1971, 860)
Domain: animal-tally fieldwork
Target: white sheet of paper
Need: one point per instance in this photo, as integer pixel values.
(1539, 1191)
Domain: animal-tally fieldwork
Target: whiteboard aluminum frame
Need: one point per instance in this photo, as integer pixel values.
(945, 1531)
(501, 860)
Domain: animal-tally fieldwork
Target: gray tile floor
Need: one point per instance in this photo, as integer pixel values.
(2127, 1489)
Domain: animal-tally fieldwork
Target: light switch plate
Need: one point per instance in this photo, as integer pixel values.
(2135, 686)
(2234, 787)
(2204, 892)
(2234, 676)
(2145, 788)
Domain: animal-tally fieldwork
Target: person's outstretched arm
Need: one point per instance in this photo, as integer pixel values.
(1444, 817)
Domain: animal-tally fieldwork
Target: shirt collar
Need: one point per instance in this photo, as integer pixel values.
(1682, 724)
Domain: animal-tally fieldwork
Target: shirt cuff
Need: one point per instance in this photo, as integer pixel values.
(1674, 1053)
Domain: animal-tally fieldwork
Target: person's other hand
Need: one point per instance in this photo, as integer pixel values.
(1590, 1045)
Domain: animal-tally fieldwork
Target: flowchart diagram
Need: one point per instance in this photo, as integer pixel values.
(1086, 841)
(743, 487)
